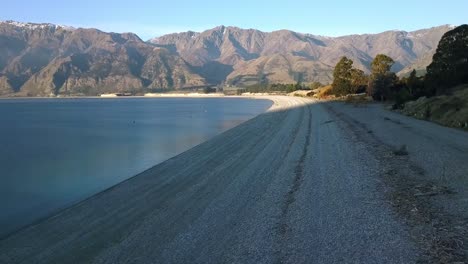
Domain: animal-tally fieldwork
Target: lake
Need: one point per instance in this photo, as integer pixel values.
(56, 152)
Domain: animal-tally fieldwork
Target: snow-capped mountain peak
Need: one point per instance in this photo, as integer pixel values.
(29, 25)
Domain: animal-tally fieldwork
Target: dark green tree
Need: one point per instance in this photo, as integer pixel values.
(401, 95)
(342, 84)
(382, 80)
(382, 86)
(290, 88)
(415, 85)
(298, 86)
(412, 81)
(381, 64)
(449, 65)
(359, 81)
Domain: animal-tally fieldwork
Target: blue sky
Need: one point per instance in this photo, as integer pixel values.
(325, 17)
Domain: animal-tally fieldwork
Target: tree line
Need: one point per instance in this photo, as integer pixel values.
(449, 68)
(281, 87)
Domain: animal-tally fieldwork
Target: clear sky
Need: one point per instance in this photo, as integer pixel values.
(325, 17)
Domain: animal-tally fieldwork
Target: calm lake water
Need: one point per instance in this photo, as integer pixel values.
(55, 152)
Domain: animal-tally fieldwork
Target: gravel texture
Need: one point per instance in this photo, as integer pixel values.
(424, 170)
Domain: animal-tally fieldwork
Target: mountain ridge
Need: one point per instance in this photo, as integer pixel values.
(248, 50)
(45, 59)
(451, 26)
(42, 59)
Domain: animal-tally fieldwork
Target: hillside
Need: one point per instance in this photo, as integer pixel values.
(245, 56)
(47, 59)
(419, 65)
(448, 110)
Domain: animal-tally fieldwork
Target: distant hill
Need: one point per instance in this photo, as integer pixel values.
(243, 56)
(48, 59)
(419, 65)
(45, 59)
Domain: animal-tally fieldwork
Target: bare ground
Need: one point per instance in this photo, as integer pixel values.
(424, 165)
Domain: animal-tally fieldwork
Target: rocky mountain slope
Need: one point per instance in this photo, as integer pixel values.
(244, 56)
(45, 59)
(48, 59)
(419, 65)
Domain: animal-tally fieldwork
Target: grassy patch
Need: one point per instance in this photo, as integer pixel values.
(448, 110)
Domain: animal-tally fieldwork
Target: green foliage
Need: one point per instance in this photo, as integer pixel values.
(348, 80)
(381, 87)
(158, 90)
(412, 80)
(449, 65)
(381, 65)
(342, 84)
(415, 85)
(358, 81)
(209, 90)
(276, 87)
(382, 81)
(448, 69)
(297, 86)
(401, 96)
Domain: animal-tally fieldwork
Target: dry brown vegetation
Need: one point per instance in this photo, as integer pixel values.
(357, 99)
(325, 92)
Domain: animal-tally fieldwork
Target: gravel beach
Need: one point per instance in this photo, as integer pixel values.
(302, 183)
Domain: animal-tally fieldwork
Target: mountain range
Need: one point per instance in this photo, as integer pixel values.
(48, 59)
